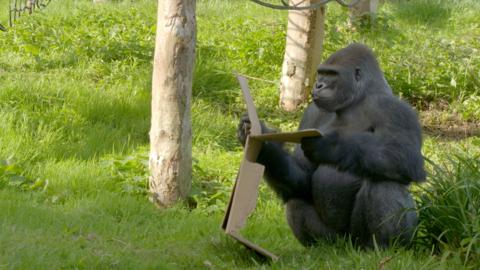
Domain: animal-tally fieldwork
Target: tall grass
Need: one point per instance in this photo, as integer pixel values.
(449, 208)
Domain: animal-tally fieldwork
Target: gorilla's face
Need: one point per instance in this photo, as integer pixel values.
(336, 87)
(346, 77)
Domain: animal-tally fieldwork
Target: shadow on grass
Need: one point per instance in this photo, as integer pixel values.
(213, 82)
(117, 121)
(108, 54)
(117, 126)
(58, 118)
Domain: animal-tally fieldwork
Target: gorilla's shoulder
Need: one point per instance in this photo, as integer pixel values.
(391, 103)
(396, 111)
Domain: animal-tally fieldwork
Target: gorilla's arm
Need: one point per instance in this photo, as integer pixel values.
(390, 151)
(367, 154)
(288, 175)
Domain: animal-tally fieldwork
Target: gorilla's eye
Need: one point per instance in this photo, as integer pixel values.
(358, 75)
(371, 129)
(322, 71)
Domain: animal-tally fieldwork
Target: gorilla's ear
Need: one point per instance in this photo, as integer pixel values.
(358, 74)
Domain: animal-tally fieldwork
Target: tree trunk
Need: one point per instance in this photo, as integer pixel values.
(29, 4)
(303, 53)
(365, 9)
(171, 132)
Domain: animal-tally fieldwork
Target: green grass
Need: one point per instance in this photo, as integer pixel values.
(108, 231)
(4, 12)
(75, 85)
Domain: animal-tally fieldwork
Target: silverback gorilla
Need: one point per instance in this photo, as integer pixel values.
(353, 181)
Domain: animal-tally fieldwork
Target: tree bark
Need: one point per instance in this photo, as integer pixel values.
(303, 51)
(171, 132)
(365, 9)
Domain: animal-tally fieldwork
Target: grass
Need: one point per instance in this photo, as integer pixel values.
(74, 102)
(4, 12)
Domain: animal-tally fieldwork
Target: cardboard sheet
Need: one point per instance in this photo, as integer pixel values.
(245, 191)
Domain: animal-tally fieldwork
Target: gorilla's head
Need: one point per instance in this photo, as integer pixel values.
(346, 77)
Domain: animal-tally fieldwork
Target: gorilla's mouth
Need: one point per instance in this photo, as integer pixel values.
(323, 93)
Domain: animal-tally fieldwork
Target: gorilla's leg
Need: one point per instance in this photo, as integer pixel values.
(333, 195)
(383, 211)
(306, 224)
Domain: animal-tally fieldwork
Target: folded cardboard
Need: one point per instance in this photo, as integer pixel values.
(245, 191)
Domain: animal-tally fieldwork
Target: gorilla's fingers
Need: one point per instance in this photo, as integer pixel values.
(311, 146)
(246, 128)
(244, 118)
(243, 129)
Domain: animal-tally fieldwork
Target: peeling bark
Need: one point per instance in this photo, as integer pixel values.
(171, 132)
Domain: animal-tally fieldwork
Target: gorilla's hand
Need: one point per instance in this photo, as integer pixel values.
(243, 129)
(244, 126)
(320, 149)
(313, 147)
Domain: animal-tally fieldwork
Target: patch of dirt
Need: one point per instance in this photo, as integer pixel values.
(437, 120)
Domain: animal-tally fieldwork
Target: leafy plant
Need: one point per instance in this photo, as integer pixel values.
(130, 173)
(12, 175)
(210, 192)
(470, 108)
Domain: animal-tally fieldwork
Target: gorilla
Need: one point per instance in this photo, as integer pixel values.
(353, 181)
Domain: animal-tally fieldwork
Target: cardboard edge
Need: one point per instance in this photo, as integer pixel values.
(253, 246)
(293, 137)
(229, 206)
(256, 128)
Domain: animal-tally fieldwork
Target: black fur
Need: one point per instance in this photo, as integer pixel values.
(353, 180)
